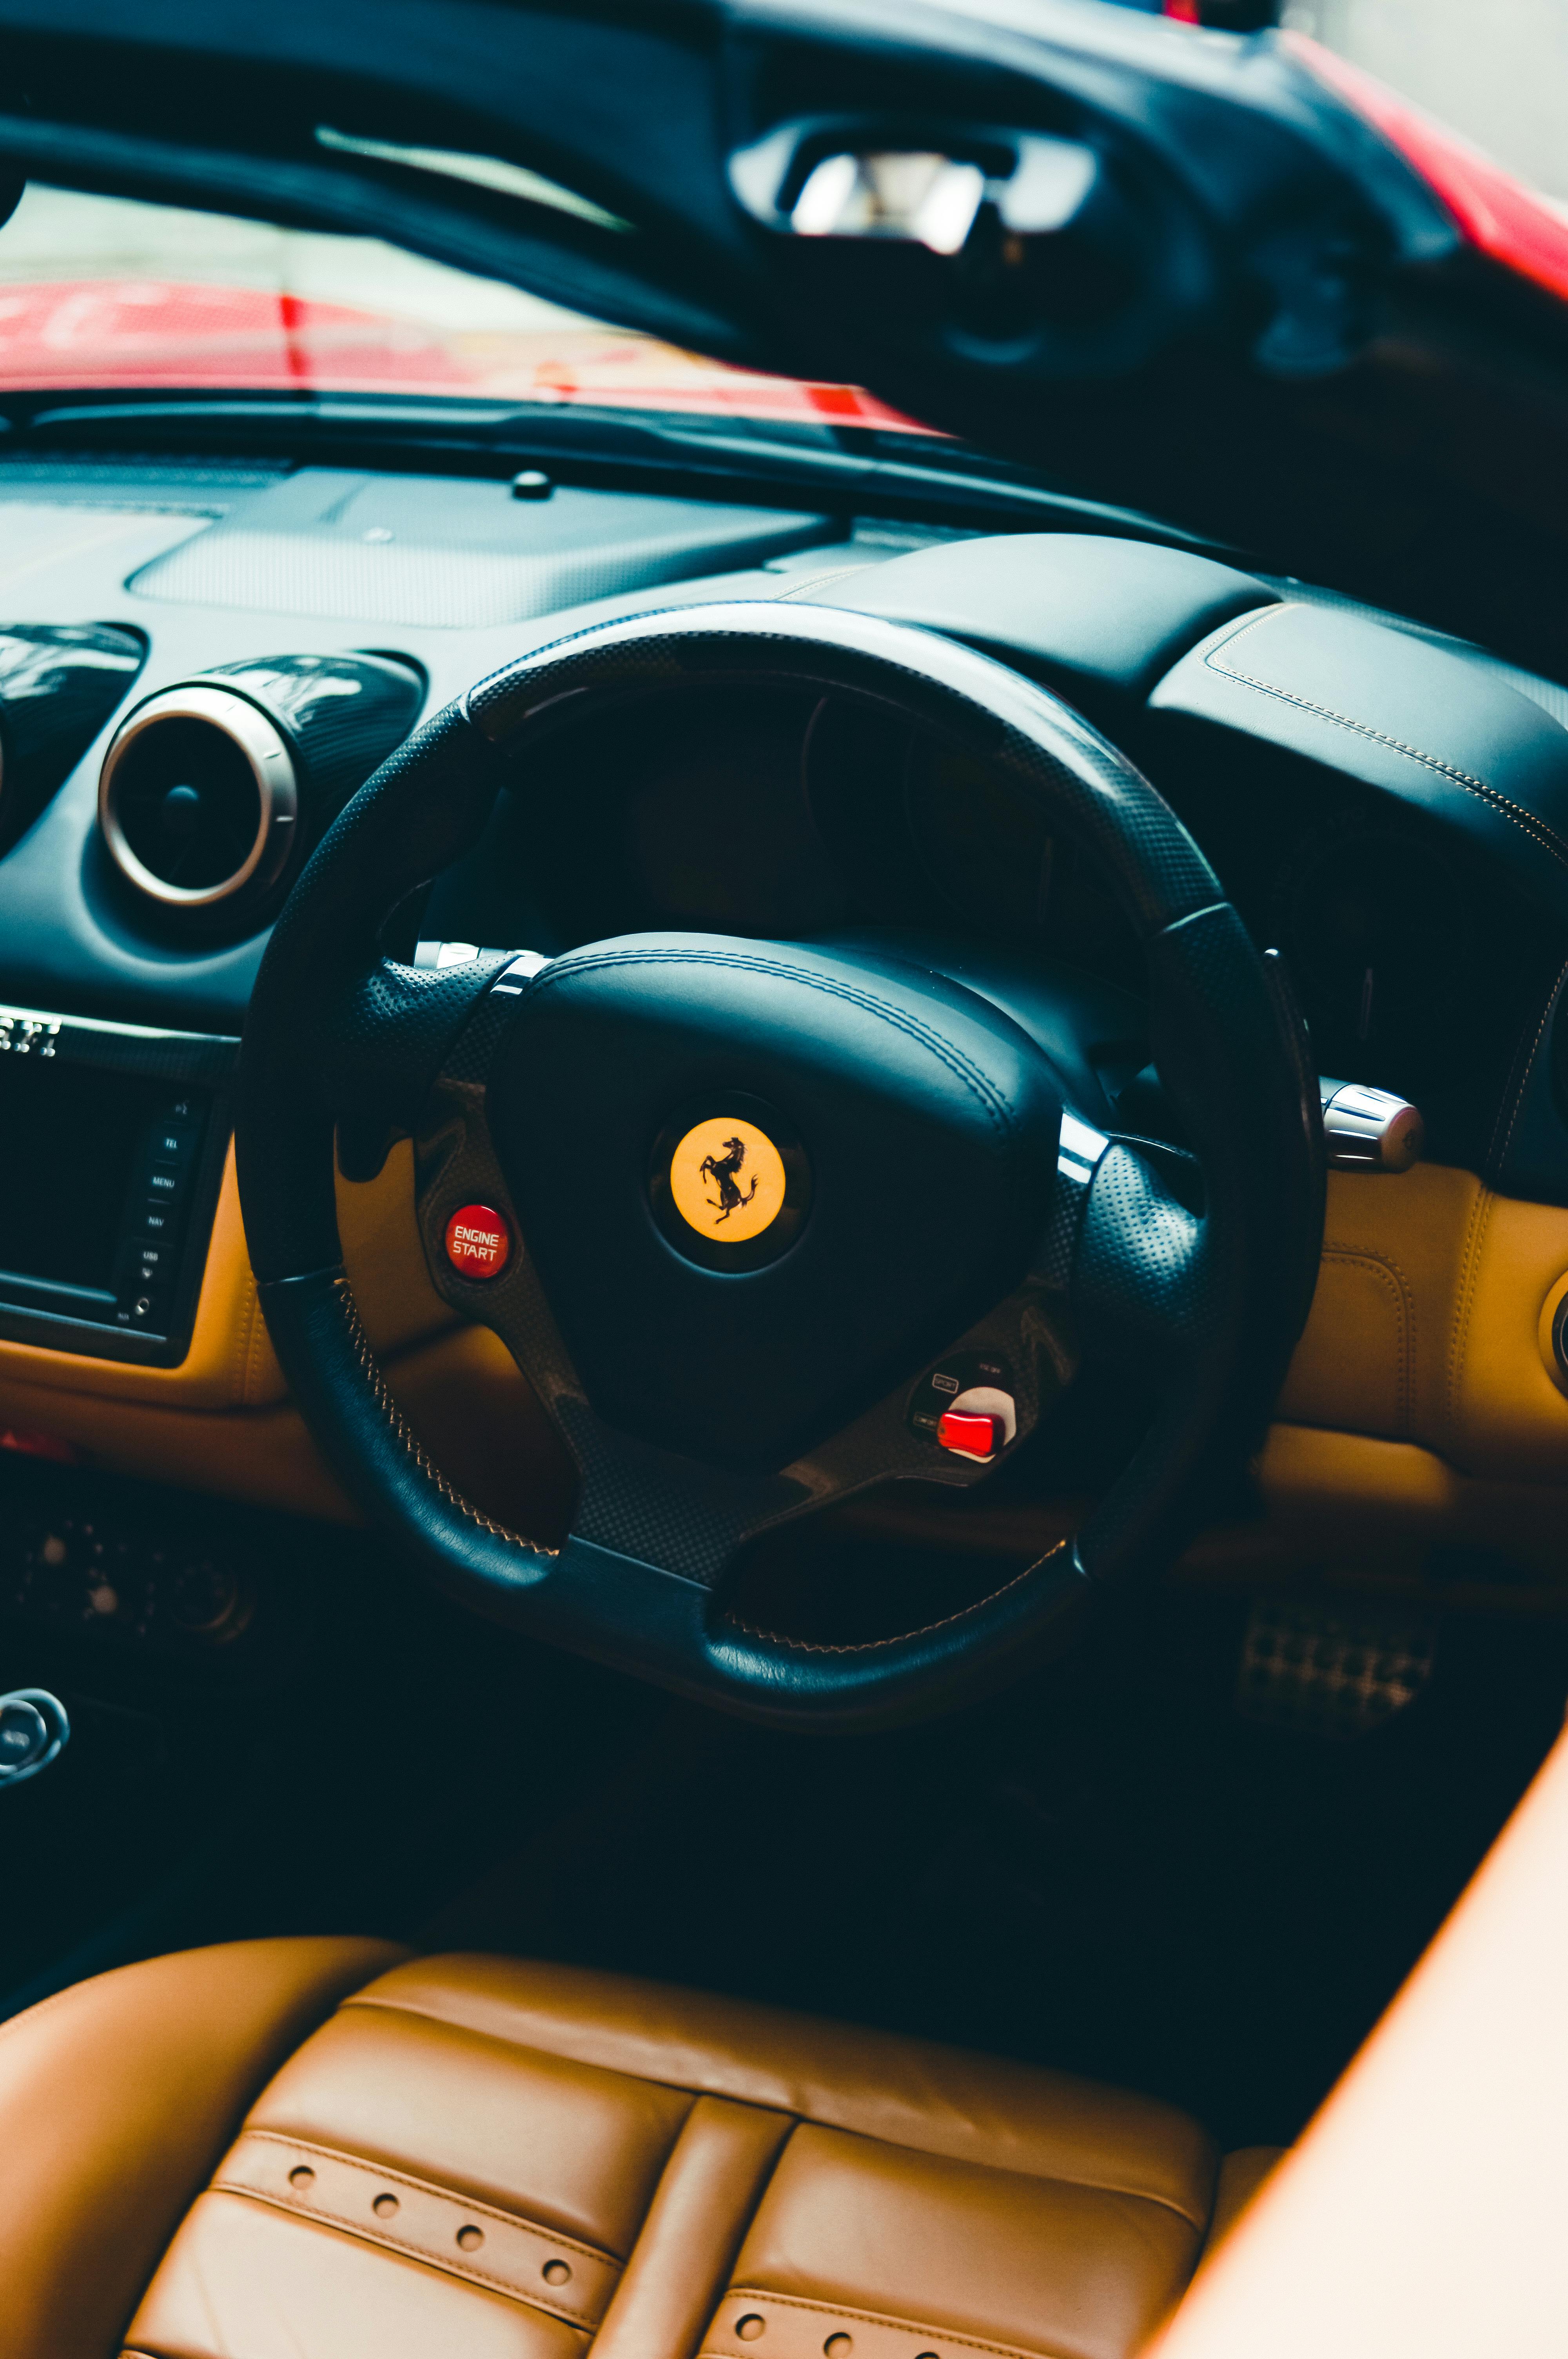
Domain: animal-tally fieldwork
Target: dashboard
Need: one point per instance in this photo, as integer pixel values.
(200, 663)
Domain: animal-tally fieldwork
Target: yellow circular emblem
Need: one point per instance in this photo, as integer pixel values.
(727, 1179)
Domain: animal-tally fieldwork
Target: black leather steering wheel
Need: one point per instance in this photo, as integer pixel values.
(618, 1105)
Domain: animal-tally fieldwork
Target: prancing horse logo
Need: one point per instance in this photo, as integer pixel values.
(722, 1169)
(727, 1180)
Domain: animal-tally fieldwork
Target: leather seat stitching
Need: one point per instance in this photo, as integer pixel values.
(241, 1349)
(371, 1369)
(821, 2120)
(869, 1646)
(1390, 1271)
(1475, 1238)
(426, 2187)
(819, 581)
(874, 2318)
(1508, 1096)
(996, 1104)
(462, 2269)
(378, 2242)
(1541, 833)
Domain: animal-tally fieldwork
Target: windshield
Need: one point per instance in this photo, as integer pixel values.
(98, 293)
(101, 294)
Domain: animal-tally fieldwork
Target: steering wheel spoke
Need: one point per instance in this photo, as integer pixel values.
(1140, 1280)
(384, 1038)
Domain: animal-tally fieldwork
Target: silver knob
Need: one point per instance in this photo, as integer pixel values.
(149, 810)
(34, 1729)
(1369, 1130)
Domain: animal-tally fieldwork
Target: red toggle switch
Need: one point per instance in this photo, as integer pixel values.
(961, 1428)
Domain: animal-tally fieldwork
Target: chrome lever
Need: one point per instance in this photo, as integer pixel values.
(1369, 1130)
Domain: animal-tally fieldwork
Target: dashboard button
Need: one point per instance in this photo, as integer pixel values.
(171, 1142)
(479, 1243)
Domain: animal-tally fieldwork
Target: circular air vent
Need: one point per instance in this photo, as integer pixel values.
(197, 798)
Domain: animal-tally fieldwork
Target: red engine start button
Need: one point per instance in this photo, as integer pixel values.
(479, 1243)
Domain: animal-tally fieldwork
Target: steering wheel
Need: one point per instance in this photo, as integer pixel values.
(766, 1223)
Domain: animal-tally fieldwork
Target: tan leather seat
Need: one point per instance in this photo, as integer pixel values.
(310, 2149)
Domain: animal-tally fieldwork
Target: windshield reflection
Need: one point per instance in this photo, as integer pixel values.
(100, 293)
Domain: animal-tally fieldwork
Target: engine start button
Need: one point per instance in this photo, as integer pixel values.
(479, 1243)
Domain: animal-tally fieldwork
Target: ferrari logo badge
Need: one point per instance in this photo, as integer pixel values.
(727, 1179)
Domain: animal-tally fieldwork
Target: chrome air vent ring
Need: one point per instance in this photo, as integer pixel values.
(197, 798)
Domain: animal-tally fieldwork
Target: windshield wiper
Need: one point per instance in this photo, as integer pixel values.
(851, 470)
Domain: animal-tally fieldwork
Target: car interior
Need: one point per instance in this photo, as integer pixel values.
(784, 1380)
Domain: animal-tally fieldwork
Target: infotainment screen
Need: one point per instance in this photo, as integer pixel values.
(69, 1136)
(99, 1165)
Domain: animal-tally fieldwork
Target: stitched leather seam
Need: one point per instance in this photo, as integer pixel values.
(380, 2241)
(826, 2120)
(738, 2225)
(875, 2318)
(1537, 829)
(377, 2236)
(817, 581)
(239, 1391)
(260, 1347)
(1528, 1066)
(1383, 1268)
(371, 1369)
(245, 1344)
(1474, 1233)
(869, 1646)
(466, 2204)
(743, 2228)
(1507, 1094)
(979, 1081)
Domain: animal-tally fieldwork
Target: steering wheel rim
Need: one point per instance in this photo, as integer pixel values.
(336, 1036)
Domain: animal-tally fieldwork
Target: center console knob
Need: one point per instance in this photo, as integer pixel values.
(34, 1727)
